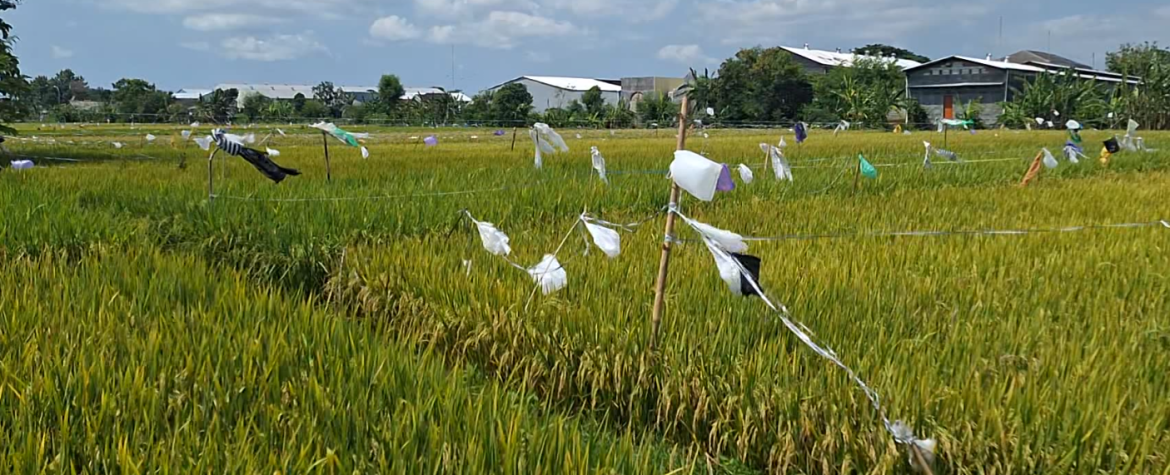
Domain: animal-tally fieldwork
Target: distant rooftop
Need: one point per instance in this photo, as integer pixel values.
(837, 58)
(572, 84)
(1028, 56)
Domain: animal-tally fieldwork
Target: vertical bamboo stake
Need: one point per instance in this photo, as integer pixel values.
(917, 454)
(211, 178)
(664, 263)
(328, 171)
(513, 139)
(857, 178)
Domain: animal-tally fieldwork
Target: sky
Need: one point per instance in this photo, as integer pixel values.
(200, 43)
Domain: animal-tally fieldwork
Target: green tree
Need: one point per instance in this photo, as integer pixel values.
(511, 105)
(390, 92)
(254, 106)
(886, 51)
(864, 94)
(656, 108)
(219, 106)
(593, 101)
(1137, 60)
(72, 86)
(13, 84)
(480, 109)
(279, 111)
(1057, 97)
(761, 85)
(334, 99)
(298, 103)
(140, 100)
(702, 93)
(315, 110)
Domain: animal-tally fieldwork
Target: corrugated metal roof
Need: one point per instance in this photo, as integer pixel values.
(272, 91)
(833, 58)
(190, 94)
(574, 84)
(957, 84)
(1002, 65)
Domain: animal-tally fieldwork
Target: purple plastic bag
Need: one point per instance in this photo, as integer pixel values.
(725, 183)
(499, 133)
(431, 141)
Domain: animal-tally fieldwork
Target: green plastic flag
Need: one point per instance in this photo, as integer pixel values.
(1074, 136)
(867, 169)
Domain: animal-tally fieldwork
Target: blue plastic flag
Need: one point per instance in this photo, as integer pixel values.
(801, 132)
(867, 169)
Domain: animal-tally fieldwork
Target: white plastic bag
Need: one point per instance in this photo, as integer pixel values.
(695, 174)
(494, 240)
(746, 174)
(549, 274)
(728, 240)
(599, 165)
(186, 134)
(150, 137)
(21, 164)
(273, 152)
(1049, 160)
(204, 142)
(606, 239)
(780, 164)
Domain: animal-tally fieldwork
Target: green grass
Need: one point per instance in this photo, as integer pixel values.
(1039, 353)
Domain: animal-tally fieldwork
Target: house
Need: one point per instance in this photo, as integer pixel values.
(944, 86)
(634, 90)
(550, 92)
(361, 94)
(189, 97)
(818, 62)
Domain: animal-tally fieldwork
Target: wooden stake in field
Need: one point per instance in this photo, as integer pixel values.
(513, 139)
(211, 177)
(668, 240)
(328, 171)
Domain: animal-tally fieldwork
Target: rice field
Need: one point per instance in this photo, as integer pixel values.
(357, 324)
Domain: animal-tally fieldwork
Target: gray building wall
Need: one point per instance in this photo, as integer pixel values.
(545, 97)
(929, 87)
(810, 67)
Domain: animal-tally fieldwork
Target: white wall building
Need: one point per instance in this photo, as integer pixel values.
(557, 92)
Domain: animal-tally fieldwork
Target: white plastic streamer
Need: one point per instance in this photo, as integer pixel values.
(599, 164)
(746, 174)
(549, 274)
(779, 164)
(1049, 160)
(273, 152)
(799, 332)
(494, 240)
(606, 239)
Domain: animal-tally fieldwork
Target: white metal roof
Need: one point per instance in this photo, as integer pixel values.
(358, 88)
(189, 94)
(574, 84)
(985, 62)
(833, 58)
(272, 91)
(958, 84)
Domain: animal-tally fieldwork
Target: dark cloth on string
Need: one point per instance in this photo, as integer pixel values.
(258, 159)
(752, 265)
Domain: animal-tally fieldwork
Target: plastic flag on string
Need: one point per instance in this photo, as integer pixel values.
(711, 111)
(1049, 160)
(547, 141)
(1056, 113)
(898, 129)
(494, 240)
(779, 163)
(727, 240)
(117, 145)
(599, 164)
(725, 182)
(903, 434)
(1050, 124)
(783, 145)
(867, 169)
(941, 127)
(841, 127)
(1112, 145)
(348, 138)
(1039, 121)
(204, 142)
(21, 164)
(195, 125)
(604, 238)
(732, 267)
(695, 174)
(549, 274)
(926, 160)
(431, 141)
(260, 160)
(499, 133)
(150, 137)
(281, 132)
(273, 152)
(1073, 153)
(801, 131)
(958, 123)
(186, 134)
(746, 174)
(1033, 170)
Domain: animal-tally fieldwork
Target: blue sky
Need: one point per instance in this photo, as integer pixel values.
(199, 43)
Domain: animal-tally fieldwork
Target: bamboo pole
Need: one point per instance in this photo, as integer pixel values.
(211, 177)
(917, 454)
(667, 244)
(513, 139)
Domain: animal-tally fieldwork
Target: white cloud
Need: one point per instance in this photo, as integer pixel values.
(315, 7)
(794, 21)
(687, 55)
(466, 8)
(274, 48)
(394, 28)
(634, 11)
(502, 30)
(61, 53)
(226, 21)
